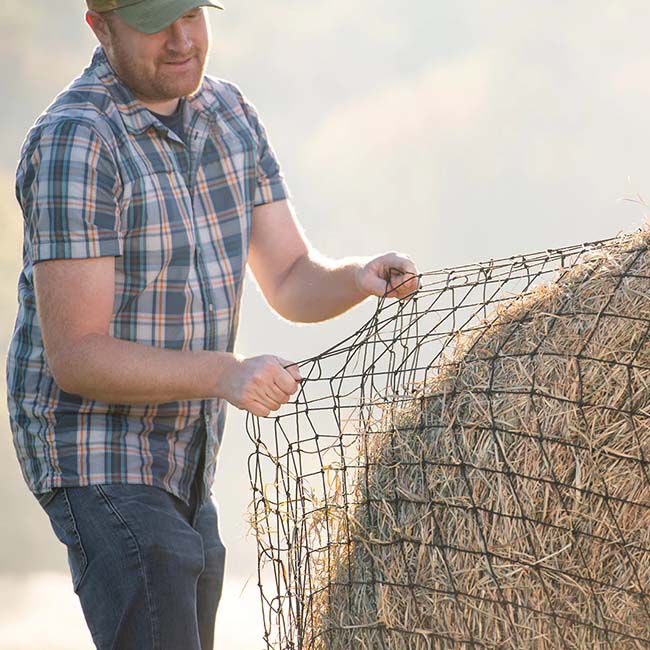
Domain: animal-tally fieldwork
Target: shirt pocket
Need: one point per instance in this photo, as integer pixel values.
(159, 237)
(155, 274)
(228, 169)
(227, 174)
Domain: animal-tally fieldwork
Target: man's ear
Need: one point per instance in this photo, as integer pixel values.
(99, 25)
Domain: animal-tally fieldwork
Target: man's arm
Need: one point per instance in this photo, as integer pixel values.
(74, 302)
(306, 287)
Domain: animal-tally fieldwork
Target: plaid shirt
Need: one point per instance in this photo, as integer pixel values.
(100, 175)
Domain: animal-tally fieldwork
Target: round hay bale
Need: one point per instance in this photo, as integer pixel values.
(507, 504)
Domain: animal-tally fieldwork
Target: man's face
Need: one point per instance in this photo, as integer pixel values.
(161, 66)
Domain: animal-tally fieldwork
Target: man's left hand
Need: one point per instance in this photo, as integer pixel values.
(392, 274)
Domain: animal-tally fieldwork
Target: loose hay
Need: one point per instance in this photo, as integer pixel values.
(504, 502)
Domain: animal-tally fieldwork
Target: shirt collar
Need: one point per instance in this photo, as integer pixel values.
(137, 118)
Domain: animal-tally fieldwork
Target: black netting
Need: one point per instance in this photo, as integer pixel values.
(471, 467)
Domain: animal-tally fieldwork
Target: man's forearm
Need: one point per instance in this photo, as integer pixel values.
(317, 288)
(111, 370)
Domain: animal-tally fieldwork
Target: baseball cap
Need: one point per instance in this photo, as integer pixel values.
(150, 16)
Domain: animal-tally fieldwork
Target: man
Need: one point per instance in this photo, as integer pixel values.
(146, 187)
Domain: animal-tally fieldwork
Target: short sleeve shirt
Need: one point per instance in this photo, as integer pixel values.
(100, 175)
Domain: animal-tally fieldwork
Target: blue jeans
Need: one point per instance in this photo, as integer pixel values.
(147, 568)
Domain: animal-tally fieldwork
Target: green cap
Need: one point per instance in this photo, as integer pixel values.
(150, 16)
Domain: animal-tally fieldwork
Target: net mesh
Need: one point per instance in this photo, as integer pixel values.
(469, 468)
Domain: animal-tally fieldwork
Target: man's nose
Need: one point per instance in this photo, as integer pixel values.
(179, 39)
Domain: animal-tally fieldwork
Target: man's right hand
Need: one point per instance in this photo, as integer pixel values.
(261, 384)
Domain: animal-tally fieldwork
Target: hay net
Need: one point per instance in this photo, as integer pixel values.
(471, 468)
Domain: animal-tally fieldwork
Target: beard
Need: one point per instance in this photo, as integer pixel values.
(157, 81)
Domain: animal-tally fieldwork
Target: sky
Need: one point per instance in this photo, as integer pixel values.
(454, 132)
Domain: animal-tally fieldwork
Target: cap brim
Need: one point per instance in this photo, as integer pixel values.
(153, 16)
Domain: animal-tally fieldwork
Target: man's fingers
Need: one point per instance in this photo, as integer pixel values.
(377, 286)
(264, 402)
(268, 383)
(407, 283)
(402, 280)
(277, 394)
(272, 404)
(291, 368)
(259, 409)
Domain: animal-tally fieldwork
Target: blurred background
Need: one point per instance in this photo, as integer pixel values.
(451, 131)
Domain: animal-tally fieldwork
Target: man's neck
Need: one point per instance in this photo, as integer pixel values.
(166, 107)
